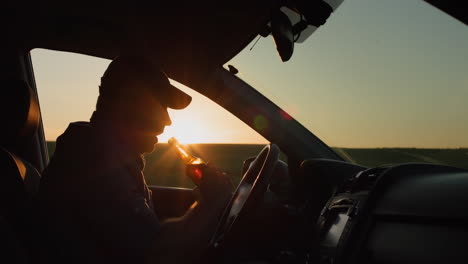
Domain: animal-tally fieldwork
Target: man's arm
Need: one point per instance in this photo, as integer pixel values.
(184, 239)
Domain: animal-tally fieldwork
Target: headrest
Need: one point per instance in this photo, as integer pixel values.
(19, 180)
(19, 113)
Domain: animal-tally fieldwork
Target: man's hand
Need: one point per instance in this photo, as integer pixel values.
(215, 188)
(184, 239)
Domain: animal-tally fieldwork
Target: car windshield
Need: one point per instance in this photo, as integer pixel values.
(381, 82)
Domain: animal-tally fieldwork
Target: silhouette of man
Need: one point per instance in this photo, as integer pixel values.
(94, 204)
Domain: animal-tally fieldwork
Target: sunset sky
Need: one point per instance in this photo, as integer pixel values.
(378, 74)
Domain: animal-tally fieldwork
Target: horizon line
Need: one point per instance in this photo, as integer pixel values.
(249, 143)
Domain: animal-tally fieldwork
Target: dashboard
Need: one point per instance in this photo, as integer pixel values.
(345, 213)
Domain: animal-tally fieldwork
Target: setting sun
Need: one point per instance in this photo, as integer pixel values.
(203, 121)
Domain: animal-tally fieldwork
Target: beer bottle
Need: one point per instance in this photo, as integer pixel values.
(193, 165)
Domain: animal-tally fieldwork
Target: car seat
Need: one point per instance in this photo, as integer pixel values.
(19, 180)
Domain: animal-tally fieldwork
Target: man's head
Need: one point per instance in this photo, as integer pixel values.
(133, 98)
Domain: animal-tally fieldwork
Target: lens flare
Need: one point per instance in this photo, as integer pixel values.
(285, 115)
(260, 123)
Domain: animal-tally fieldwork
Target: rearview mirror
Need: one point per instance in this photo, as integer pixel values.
(282, 31)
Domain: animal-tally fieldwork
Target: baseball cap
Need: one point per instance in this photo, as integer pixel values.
(124, 69)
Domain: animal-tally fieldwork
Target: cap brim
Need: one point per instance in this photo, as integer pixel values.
(177, 99)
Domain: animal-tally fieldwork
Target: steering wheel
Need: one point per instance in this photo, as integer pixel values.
(249, 192)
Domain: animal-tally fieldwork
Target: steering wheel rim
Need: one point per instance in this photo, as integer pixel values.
(258, 176)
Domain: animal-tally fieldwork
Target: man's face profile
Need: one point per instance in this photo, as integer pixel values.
(145, 117)
(138, 94)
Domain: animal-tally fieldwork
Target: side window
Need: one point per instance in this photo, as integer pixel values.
(68, 88)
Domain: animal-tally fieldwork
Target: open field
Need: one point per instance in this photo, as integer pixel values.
(163, 167)
(381, 156)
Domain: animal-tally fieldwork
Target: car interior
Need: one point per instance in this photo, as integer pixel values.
(317, 209)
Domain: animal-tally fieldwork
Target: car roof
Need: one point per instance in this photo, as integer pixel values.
(185, 37)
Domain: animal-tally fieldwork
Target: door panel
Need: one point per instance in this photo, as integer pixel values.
(171, 201)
